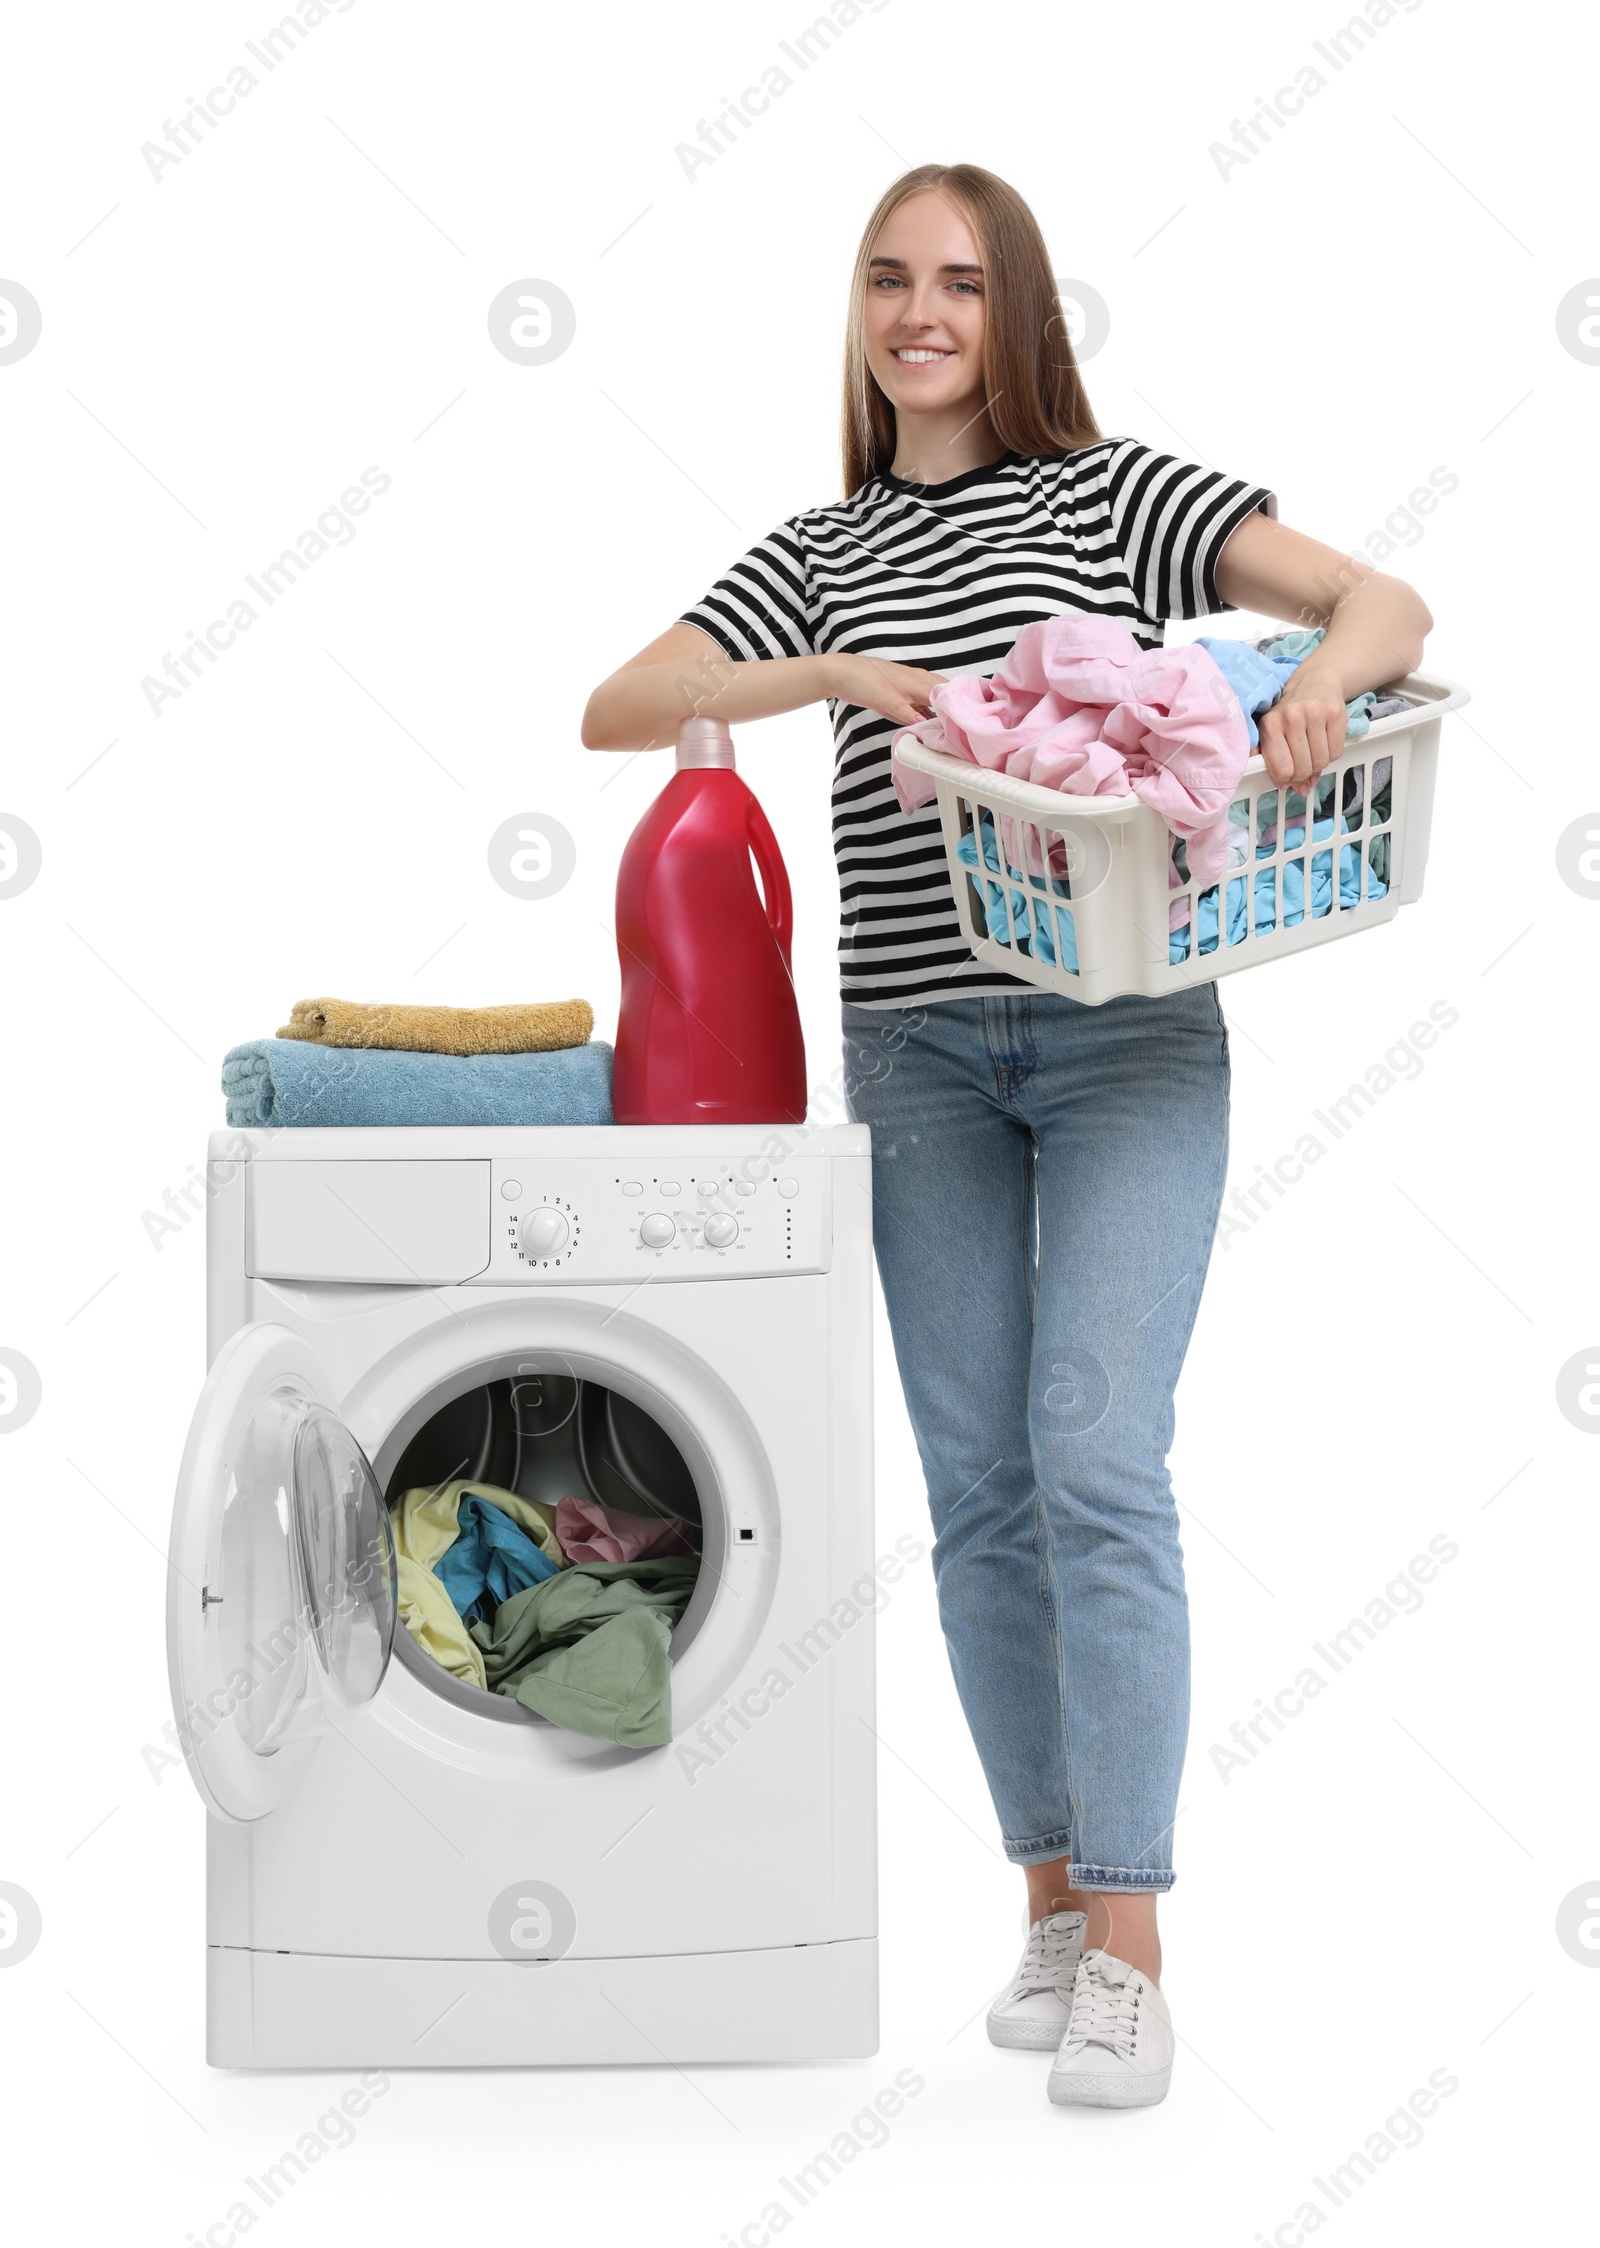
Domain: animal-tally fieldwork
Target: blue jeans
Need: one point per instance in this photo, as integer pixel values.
(1046, 1183)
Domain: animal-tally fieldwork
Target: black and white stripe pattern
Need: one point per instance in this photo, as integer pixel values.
(945, 576)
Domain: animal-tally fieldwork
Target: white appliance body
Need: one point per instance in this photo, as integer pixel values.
(402, 1878)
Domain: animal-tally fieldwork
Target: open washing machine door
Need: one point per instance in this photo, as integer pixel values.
(281, 1583)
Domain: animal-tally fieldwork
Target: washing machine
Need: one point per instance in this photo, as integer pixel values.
(403, 1869)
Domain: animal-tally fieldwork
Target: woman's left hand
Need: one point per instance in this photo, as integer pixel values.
(1304, 729)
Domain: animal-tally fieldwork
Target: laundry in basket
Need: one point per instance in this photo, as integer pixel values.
(1090, 895)
(1079, 706)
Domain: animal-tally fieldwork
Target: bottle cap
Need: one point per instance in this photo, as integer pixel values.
(704, 741)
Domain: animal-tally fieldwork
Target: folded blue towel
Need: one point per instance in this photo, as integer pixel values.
(277, 1081)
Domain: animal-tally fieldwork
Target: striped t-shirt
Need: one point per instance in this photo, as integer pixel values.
(945, 576)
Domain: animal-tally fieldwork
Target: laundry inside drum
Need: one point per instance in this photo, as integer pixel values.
(548, 1533)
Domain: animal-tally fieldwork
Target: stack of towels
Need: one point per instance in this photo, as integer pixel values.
(339, 1062)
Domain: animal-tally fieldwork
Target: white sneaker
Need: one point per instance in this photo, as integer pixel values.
(1033, 2009)
(1118, 2047)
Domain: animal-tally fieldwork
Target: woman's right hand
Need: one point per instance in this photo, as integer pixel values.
(896, 691)
(685, 674)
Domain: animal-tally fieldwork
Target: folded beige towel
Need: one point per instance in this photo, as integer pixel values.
(538, 1028)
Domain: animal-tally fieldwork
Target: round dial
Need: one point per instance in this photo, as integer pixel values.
(543, 1233)
(721, 1230)
(657, 1230)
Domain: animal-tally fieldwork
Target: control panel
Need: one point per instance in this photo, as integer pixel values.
(577, 1218)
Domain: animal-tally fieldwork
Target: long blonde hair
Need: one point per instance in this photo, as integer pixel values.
(1037, 402)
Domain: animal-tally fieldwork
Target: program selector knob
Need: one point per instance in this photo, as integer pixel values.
(657, 1230)
(720, 1231)
(543, 1233)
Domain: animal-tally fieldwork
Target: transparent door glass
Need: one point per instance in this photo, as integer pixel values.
(258, 1608)
(347, 1555)
(308, 1568)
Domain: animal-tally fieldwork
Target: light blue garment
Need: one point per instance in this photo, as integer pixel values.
(1257, 679)
(1259, 673)
(1006, 911)
(1358, 715)
(1294, 891)
(492, 1558)
(1046, 1179)
(1294, 645)
(274, 1081)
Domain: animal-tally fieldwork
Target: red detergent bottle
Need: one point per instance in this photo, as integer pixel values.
(709, 1032)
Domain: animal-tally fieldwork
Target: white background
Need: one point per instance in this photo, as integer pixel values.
(1370, 297)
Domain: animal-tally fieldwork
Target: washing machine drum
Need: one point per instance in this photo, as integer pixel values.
(630, 1460)
(549, 1437)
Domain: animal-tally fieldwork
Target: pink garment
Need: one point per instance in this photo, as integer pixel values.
(1079, 706)
(589, 1531)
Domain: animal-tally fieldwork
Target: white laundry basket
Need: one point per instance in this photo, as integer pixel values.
(1104, 862)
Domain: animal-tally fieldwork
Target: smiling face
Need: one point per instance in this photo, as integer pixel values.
(924, 316)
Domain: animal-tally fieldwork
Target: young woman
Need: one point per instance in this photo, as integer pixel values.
(1047, 1176)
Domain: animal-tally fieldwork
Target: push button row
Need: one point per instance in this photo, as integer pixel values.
(706, 1188)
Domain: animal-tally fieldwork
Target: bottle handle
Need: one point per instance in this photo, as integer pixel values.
(774, 877)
